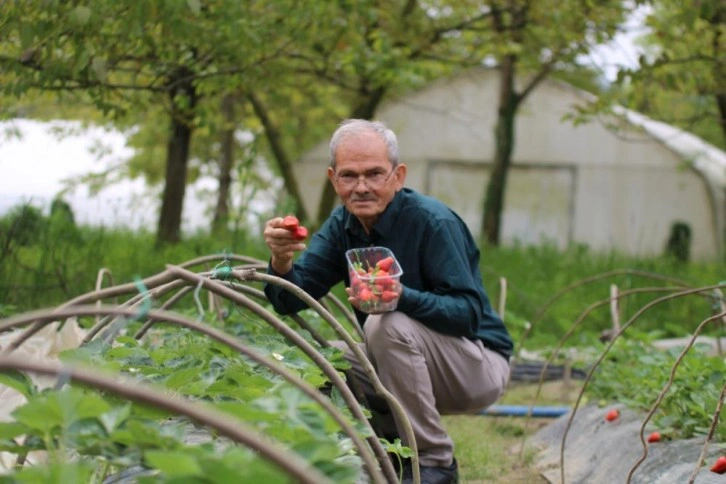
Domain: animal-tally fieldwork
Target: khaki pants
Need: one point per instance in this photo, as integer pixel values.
(430, 374)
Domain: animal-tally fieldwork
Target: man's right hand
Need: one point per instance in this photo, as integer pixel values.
(282, 245)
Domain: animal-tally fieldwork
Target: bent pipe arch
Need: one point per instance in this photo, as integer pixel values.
(605, 352)
(394, 405)
(44, 317)
(578, 322)
(291, 463)
(307, 348)
(585, 281)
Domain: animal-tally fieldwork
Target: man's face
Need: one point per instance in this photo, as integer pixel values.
(363, 177)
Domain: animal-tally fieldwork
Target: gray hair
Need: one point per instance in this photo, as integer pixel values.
(352, 127)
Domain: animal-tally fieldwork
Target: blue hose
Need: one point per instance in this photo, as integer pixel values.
(524, 410)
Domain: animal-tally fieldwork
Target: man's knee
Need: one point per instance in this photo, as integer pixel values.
(385, 331)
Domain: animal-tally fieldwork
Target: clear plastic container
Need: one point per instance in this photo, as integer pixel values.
(375, 277)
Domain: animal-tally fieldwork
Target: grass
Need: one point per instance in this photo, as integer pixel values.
(488, 447)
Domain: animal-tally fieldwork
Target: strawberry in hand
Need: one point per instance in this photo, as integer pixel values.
(292, 224)
(300, 233)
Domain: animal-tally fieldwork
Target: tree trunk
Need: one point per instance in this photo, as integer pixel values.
(365, 109)
(177, 159)
(721, 102)
(504, 145)
(283, 161)
(718, 18)
(226, 162)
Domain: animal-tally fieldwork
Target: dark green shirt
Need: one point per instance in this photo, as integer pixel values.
(442, 285)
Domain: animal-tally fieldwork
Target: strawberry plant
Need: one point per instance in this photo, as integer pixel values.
(113, 434)
(265, 382)
(687, 408)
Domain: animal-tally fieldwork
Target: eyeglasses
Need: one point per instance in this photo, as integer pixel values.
(373, 179)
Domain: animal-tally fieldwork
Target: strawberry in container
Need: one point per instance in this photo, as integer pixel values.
(374, 279)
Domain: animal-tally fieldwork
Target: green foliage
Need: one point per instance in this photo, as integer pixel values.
(534, 275)
(63, 262)
(175, 60)
(679, 77)
(111, 435)
(22, 224)
(108, 432)
(635, 373)
(54, 473)
(45, 260)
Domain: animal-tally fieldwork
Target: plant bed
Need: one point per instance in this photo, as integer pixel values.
(600, 451)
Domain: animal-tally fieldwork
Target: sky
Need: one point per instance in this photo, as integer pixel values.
(34, 165)
(624, 49)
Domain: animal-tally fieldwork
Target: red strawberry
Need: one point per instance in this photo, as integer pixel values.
(290, 223)
(366, 295)
(612, 415)
(385, 264)
(388, 296)
(719, 467)
(300, 233)
(385, 281)
(654, 437)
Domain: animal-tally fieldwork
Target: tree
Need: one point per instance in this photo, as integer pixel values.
(401, 45)
(536, 39)
(377, 50)
(130, 56)
(680, 78)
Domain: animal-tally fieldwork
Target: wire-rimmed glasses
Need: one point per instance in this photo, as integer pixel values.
(373, 179)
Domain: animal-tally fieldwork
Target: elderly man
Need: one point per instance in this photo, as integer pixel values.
(443, 350)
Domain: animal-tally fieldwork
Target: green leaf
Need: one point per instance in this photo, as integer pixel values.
(127, 341)
(10, 430)
(18, 381)
(112, 419)
(76, 404)
(55, 473)
(98, 66)
(144, 435)
(181, 378)
(239, 465)
(317, 450)
(39, 414)
(50, 410)
(80, 15)
(195, 6)
(173, 463)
